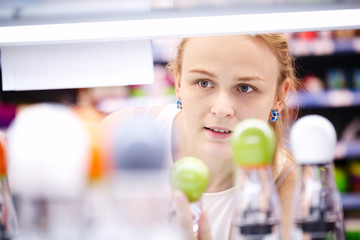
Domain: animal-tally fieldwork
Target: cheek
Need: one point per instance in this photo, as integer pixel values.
(258, 113)
(192, 110)
(192, 99)
(258, 108)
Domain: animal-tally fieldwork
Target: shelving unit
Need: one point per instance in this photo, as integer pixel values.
(351, 201)
(326, 46)
(328, 99)
(331, 89)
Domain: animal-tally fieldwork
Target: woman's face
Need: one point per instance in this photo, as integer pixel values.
(223, 81)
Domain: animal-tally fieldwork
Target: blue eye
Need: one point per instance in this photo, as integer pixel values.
(245, 88)
(204, 84)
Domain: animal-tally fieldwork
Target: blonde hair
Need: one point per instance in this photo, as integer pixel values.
(278, 44)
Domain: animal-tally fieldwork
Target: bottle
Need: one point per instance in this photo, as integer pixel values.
(9, 228)
(136, 206)
(48, 153)
(317, 205)
(190, 175)
(257, 210)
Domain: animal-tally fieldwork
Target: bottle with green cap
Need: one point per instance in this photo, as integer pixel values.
(257, 209)
(190, 175)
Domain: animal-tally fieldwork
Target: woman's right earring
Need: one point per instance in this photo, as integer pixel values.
(179, 104)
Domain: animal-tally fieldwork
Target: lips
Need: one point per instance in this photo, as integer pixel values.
(217, 132)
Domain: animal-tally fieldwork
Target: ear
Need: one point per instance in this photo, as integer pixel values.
(177, 79)
(281, 94)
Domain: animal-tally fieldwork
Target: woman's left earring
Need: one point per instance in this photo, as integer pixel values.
(274, 115)
(179, 104)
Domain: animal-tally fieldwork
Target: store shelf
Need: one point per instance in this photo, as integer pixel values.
(351, 201)
(348, 149)
(323, 99)
(324, 46)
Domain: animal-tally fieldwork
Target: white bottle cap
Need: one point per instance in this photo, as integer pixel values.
(313, 140)
(48, 152)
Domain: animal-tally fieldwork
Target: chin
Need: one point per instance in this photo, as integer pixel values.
(218, 150)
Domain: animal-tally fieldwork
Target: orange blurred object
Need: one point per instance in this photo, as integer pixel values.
(92, 118)
(2, 158)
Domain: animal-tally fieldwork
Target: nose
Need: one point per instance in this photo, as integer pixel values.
(223, 106)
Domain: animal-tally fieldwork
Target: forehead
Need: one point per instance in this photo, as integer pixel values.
(231, 51)
(232, 43)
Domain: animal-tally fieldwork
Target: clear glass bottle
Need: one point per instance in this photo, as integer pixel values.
(135, 202)
(9, 228)
(317, 204)
(257, 211)
(48, 153)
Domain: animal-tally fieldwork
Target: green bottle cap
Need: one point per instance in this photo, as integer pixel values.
(253, 143)
(191, 176)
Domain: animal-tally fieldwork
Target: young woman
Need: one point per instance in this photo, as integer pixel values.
(220, 81)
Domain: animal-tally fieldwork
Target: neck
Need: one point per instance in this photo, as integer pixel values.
(221, 179)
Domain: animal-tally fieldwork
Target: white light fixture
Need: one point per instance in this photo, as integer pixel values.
(76, 65)
(165, 27)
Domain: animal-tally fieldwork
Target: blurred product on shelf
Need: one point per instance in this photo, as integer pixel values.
(353, 231)
(92, 118)
(330, 79)
(48, 153)
(131, 202)
(257, 209)
(313, 84)
(356, 80)
(7, 114)
(341, 179)
(342, 34)
(324, 42)
(318, 212)
(9, 226)
(336, 79)
(354, 175)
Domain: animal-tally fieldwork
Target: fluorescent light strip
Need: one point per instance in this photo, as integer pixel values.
(182, 27)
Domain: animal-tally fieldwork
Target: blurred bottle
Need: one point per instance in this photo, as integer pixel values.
(92, 119)
(134, 205)
(9, 228)
(191, 176)
(48, 150)
(257, 210)
(97, 188)
(318, 209)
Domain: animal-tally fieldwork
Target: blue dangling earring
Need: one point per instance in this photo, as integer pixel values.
(274, 115)
(179, 104)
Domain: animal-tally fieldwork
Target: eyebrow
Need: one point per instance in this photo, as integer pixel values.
(202, 72)
(250, 78)
(242, 78)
